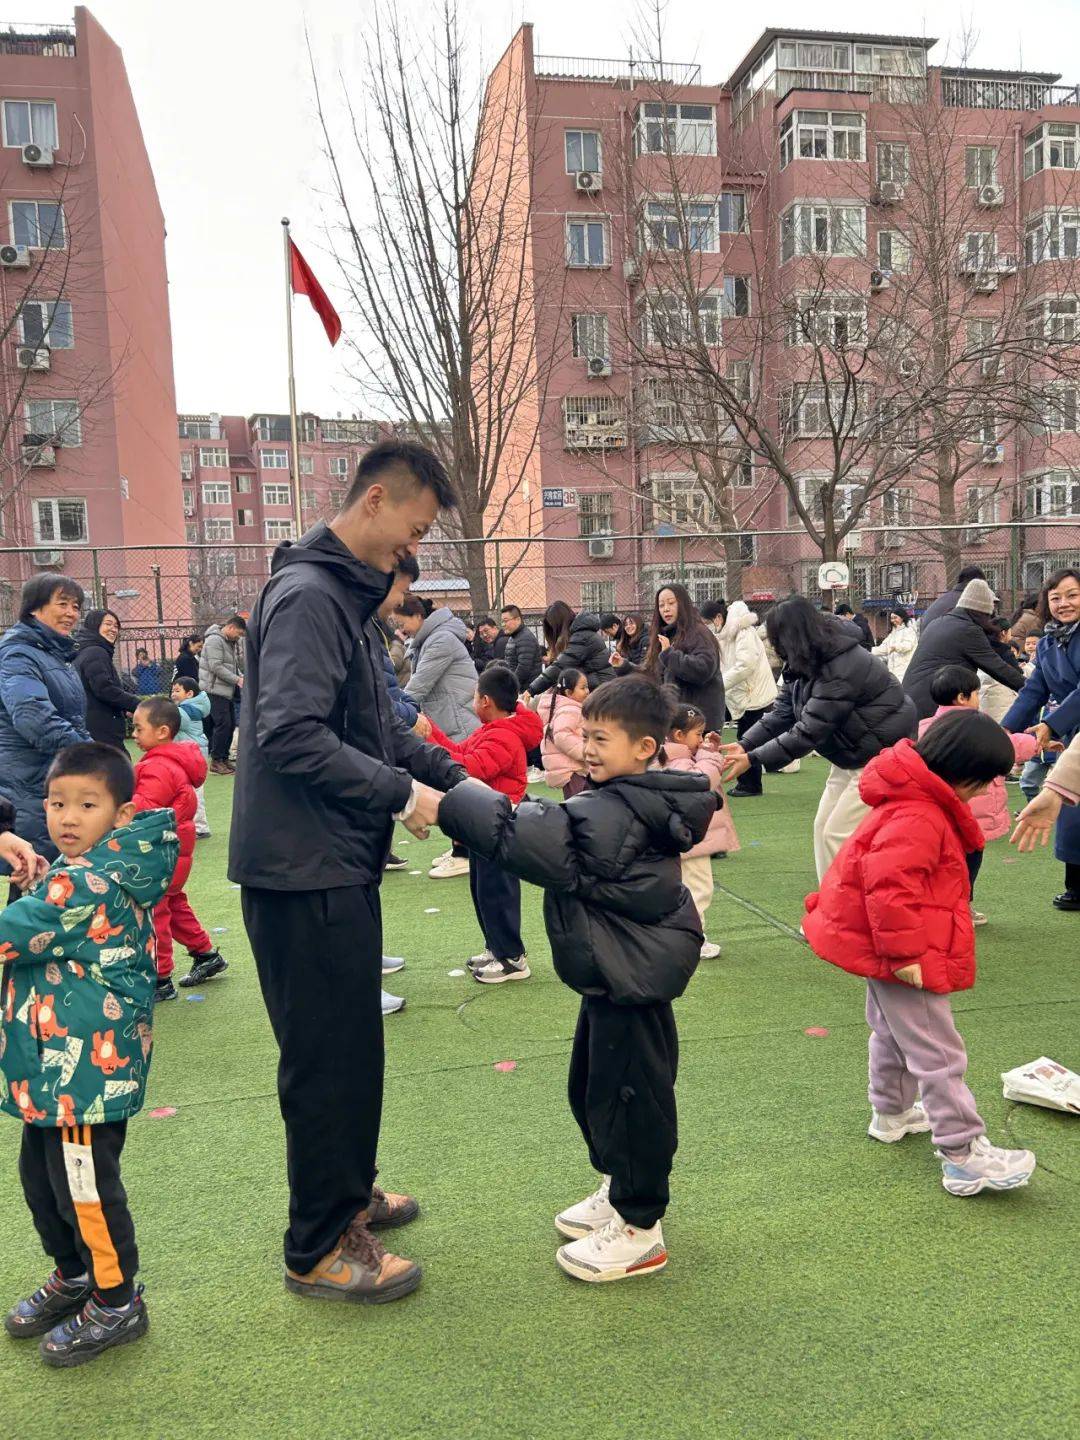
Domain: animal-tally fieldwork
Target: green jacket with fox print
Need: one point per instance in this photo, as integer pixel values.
(78, 979)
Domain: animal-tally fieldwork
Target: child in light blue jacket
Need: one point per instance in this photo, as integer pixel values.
(194, 706)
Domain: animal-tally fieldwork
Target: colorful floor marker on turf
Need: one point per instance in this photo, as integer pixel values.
(190, 998)
(432, 911)
(817, 1031)
(416, 872)
(505, 1065)
(163, 1112)
(455, 974)
(221, 929)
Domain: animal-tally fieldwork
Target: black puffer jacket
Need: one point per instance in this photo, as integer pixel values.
(107, 702)
(585, 651)
(522, 655)
(955, 639)
(620, 921)
(637, 648)
(692, 669)
(848, 712)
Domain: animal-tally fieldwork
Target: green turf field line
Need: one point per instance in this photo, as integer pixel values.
(759, 912)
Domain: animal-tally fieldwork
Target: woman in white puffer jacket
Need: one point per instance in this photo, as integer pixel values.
(900, 643)
(749, 686)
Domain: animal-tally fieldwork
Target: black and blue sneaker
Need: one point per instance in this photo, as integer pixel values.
(47, 1306)
(96, 1328)
(204, 967)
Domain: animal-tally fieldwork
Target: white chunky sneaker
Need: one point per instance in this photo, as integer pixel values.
(497, 972)
(710, 950)
(474, 962)
(987, 1167)
(535, 775)
(391, 964)
(891, 1128)
(617, 1251)
(977, 917)
(588, 1215)
(392, 1004)
(449, 868)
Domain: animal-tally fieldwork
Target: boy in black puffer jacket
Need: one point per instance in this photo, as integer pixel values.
(625, 934)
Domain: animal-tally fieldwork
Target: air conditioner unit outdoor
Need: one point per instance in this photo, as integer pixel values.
(33, 357)
(893, 541)
(601, 547)
(879, 280)
(991, 196)
(599, 366)
(39, 454)
(40, 157)
(985, 284)
(909, 365)
(47, 558)
(890, 192)
(1005, 263)
(14, 257)
(993, 454)
(588, 182)
(630, 268)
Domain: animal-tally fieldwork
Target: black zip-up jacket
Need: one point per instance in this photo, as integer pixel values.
(850, 711)
(620, 921)
(692, 668)
(585, 651)
(323, 762)
(522, 654)
(107, 702)
(955, 639)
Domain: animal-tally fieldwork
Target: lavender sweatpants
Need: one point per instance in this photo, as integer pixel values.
(916, 1050)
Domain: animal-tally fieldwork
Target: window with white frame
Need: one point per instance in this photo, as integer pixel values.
(893, 162)
(979, 251)
(245, 519)
(598, 595)
(675, 129)
(189, 500)
(339, 466)
(815, 490)
(704, 582)
(38, 224)
(596, 513)
(587, 246)
(981, 504)
(822, 135)
(1051, 147)
(593, 413)
(216, 492)
(47, 323)
(981, 336)
(689, 226)
(194, 429)
(186, 467)
(897, 421)
(1054, 319)
(242, 484)
(1055, 235)
(740, 378)
(677, 500)
(1055, 493)
(980, 166)
(736, 300)
(221, 563)
(583, 151)
(30, 122)
(731, 212)
(60, 522)
(277, 495)
(898, 506)
(1060, 408)
(307, 465)
(274, 459)
(672, 411)
(336, 499)
(811, 409)
(893, 251)
(822, 229)
(308, 500)
(831, 320)
(218, 529)
(278, 529)
(668, 321)
(589, 336)
(58, 419)
(213, 457)
(191, 533)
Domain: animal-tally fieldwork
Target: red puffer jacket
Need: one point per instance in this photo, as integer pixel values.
(496, 752)
(165, 779)
(898, 892)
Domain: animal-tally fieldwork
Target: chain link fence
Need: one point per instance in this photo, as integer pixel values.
(163, 593)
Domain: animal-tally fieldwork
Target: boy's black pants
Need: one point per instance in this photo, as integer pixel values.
(622, 1092)
(496, 897)
(750, 781)
(319, 958)
(71, 1180)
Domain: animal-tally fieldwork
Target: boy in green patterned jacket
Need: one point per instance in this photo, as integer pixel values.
(76, 1005)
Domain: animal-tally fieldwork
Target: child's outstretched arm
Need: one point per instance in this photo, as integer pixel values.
(533, 842)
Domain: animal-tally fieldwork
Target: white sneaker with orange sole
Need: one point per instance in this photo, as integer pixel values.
(617, 1251)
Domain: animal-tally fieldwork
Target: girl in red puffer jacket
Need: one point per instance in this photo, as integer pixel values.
(894, 908)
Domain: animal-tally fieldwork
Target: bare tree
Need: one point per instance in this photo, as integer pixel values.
(432, 187)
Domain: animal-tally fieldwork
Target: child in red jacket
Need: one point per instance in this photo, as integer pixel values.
(496, 754)
(166, 778)
(894, 907)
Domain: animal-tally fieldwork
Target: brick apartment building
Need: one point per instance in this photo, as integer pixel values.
(800, 159)
(89, 450)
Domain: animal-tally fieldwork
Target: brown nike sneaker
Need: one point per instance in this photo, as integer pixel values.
(387, 1211)
(359, 1270)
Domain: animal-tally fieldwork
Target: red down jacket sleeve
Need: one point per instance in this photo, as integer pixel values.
(483, 755)
(897, 876)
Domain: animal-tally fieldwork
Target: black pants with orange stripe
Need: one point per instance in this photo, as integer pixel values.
(71, 1180)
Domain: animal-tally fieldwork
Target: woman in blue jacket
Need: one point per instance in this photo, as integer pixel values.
(42, 700)
(1054, 687)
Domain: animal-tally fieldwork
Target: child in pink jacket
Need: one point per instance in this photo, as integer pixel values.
(686, 748)
(562, 749)
(955, 687)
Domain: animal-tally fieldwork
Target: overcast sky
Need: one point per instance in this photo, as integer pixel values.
(224, 97)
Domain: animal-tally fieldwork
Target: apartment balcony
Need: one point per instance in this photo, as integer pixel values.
(53, 42)
(613, 72)
(882, 89)
(976, 92)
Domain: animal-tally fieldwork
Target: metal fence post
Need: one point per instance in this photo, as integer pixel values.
(682, 559)
(498, 596)
(156, 569)
(99, 594)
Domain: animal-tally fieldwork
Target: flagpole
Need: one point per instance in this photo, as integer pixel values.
(294, 449)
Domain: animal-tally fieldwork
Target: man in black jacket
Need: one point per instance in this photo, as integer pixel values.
(947, 602)
(522, 653)
(483, 643)
(324, 768)
(845, 612)
(965, 637)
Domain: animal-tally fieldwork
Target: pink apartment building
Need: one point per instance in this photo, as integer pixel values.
(809, 140)
(90, 451)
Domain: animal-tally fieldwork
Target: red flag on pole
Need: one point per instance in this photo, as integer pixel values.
(305, 283)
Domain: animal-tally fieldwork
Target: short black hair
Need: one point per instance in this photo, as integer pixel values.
(237, 620)
(40, 589)
(102, 762)
(970, 572)
(486, 620)
(411, 605)
(608, 619)
(635, 704)
(951, 681)
(844, 609)
(513, 610)
(160, 711)
(410, 566)
(391, 458)
(142, 652)
(967, 745)
(186, 683)
(499, 684)
(712, 608)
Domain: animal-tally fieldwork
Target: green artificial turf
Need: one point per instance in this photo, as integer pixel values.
(819, 1285)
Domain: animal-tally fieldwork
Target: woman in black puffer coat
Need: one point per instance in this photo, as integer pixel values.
(572, 642)
(683, 655)
(633, 642)
(107, 702)
(837, 699)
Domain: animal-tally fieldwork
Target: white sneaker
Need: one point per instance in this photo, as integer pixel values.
(496, 972)
(792, 769)
(534, 775)
(617, 1251)
(474, 962)
(447, 869)
(987, 1167)
(977, 917)
(588, 1215)
(442, 859)
(891, 1128)
(391, 964)
(392, 1004)
(709, 951)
